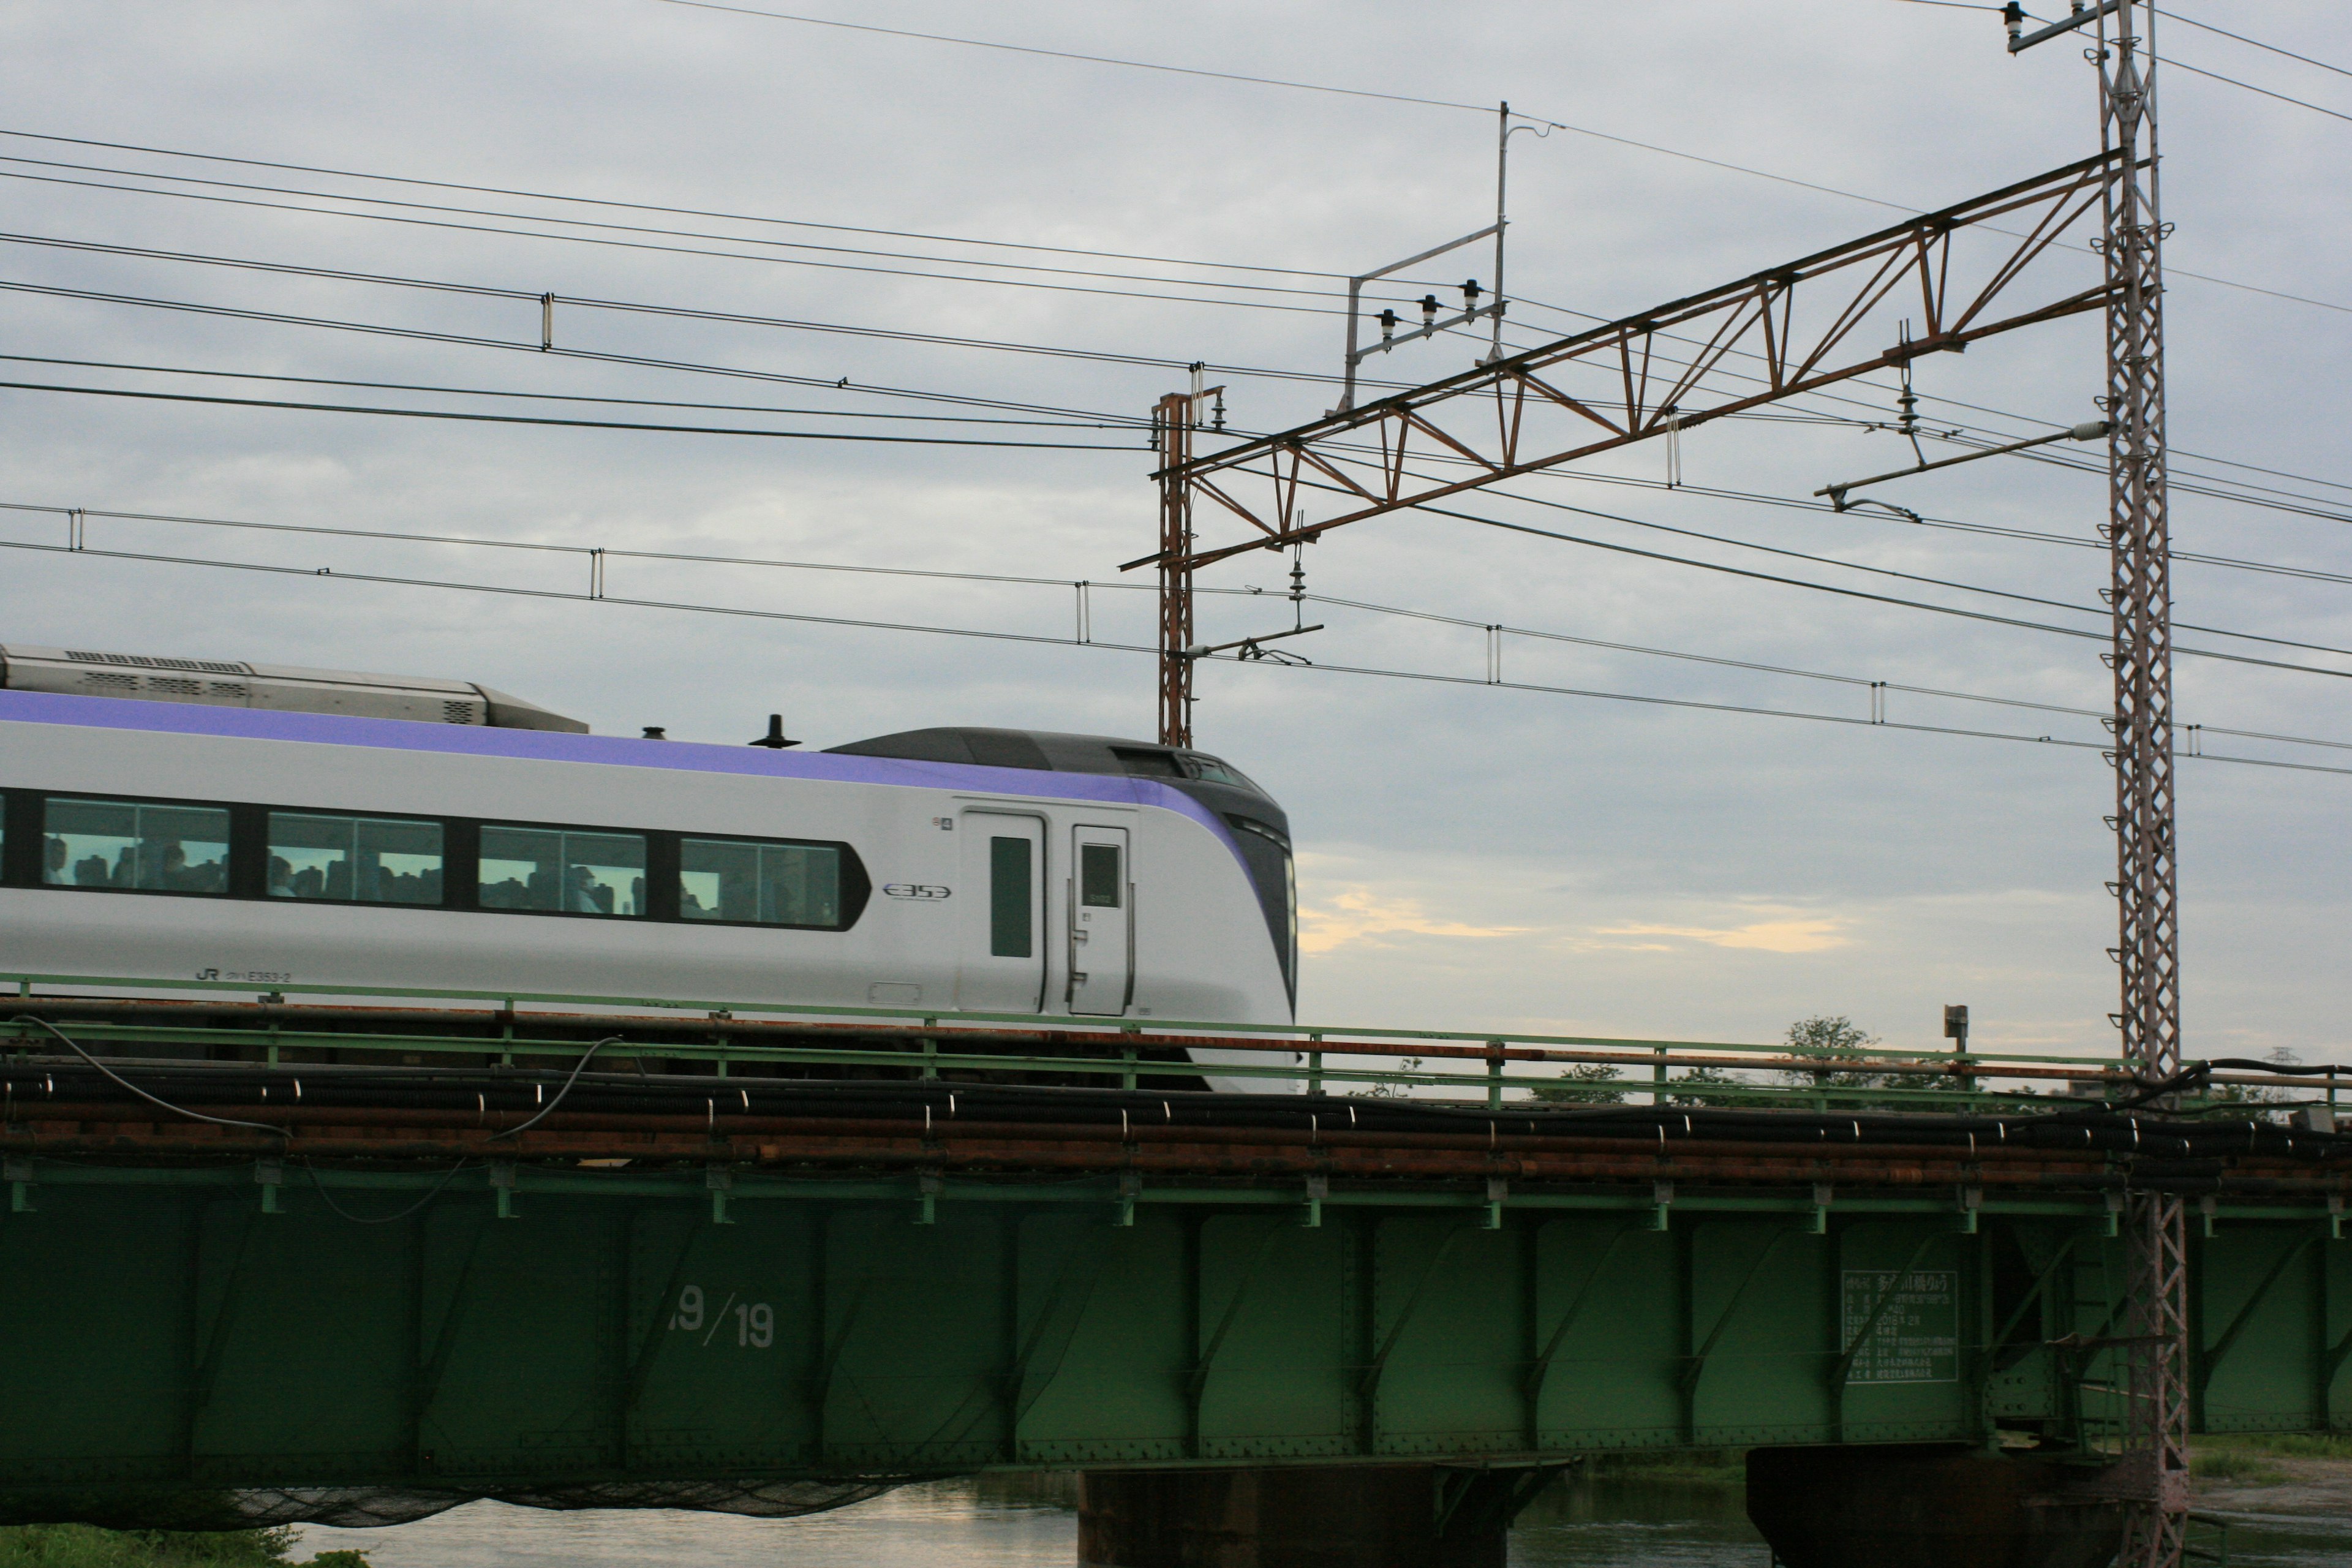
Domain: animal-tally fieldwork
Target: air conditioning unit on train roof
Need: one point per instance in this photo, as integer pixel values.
(270, 688)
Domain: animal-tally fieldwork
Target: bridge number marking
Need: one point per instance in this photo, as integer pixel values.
(1916, 1339)
(755, 1325)
(755, 1322)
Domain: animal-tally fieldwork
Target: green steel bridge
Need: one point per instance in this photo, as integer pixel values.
(312, 1296)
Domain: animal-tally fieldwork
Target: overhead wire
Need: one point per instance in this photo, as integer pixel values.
(670, 249)
(2011, 621)
(1409, 98)
(525, 294)
(1105, 422)
(1690, 704)
(854, 436)
(516, 294)
(622, 425)
(609, 555)
(673, 211)
(2240, 37)
(887, 335)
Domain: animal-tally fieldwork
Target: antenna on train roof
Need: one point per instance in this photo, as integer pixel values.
(774, 739)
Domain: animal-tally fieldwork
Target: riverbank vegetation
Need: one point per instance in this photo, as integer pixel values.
(85, 1546)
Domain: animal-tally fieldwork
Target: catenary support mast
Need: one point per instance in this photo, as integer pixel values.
(1174, 417)
(2148, 893)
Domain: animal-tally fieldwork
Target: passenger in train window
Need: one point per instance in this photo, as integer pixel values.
(282, 877)
(53, 859)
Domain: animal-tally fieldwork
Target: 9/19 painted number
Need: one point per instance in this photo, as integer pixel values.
(755, 1322)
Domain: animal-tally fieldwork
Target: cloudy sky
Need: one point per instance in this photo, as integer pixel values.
(1472, 858)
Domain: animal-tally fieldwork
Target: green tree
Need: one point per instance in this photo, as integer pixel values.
(1712, 1086)
(1579, 1084)
(1831, 1037)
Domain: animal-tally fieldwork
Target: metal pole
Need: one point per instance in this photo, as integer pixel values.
(1502, 167)
(1174, 416)
(2147, 887)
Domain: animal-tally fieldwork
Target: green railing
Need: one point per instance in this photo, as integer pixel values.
(1488, 1067)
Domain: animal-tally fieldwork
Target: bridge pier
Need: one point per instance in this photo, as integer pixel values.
(1929, 1505)
(1304, 1516)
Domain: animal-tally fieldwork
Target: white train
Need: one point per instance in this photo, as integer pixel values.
(170, 818)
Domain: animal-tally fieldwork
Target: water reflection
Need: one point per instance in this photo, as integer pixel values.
(1017, 1521)
(1628, 1521)
(945, 1524)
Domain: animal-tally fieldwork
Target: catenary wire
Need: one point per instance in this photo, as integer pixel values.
(610, 554)
(887, 335)
(670, 249)
(1827, 587)
(703, 430)
(1404, 98)
(522, 294)
(681, 430)
(674, 211)
(1342, 454)
(1104, 423)
(1689, 704)
(2240, 37)
(861, 436)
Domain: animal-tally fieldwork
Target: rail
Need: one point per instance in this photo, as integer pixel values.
(721, 1035)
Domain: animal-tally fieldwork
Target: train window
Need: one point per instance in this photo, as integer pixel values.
(1148, 764)
(1099, 876)
(1210, 770)
(134, 846)
(562, 871)
(1008, 883)
(354, 860)
(762, 884)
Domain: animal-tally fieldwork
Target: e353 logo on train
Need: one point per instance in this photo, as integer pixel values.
(912, 890)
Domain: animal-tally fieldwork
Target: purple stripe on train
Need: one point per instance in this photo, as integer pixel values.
(605, 751)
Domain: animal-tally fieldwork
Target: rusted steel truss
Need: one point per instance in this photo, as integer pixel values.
(1787, 330)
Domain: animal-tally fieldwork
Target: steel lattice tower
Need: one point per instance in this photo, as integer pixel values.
(2146, 868)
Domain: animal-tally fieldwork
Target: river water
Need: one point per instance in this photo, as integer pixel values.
(1600, 1522)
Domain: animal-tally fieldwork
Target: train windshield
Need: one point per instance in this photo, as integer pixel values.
(1265, 850)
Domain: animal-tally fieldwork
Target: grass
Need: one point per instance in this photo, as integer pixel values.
(2235, 1465)
(2289, 1444)
(85, 1546)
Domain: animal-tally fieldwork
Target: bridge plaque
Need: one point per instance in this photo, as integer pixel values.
(1916, 1337)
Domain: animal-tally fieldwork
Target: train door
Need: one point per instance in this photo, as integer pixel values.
(1001, 960)
(1102, 922)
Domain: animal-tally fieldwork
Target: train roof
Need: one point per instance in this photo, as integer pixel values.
(272, 688)
(845, 765)
(1050, 751)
